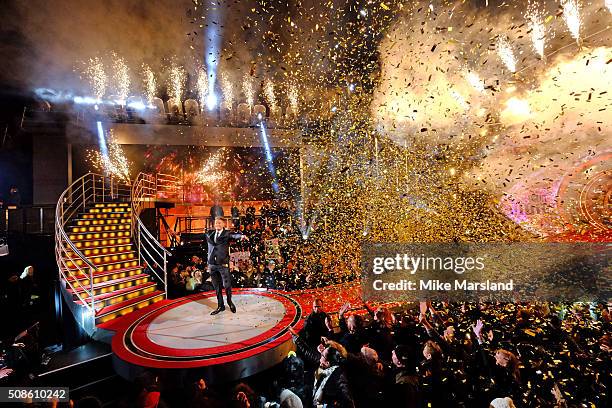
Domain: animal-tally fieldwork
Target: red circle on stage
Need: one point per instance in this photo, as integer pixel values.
(182, 334)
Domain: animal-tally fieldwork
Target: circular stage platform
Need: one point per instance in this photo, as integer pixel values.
(181, 334)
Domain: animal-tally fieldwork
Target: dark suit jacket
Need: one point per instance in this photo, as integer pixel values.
(218, 252)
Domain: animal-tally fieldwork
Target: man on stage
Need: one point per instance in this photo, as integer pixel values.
(218, 263)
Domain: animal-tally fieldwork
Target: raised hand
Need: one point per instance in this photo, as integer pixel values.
(243, 400)
(344, 308)
(477, 328)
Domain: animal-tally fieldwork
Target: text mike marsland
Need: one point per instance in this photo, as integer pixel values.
(411, 264)
(438, 285)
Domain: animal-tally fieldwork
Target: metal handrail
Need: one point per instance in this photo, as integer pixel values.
(90, 188)
(145, 189)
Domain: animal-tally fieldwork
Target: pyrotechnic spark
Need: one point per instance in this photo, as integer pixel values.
(115, 163)
(202, 85)
(506, 54)
(571, 15)
(517, 111)
(97, 77)
(474, 80)
(228, 91)
(535, 19)
(460, 99)
(176, 82)
(150, 84)
(209, 173)
(269, 94)
(248, 89)
(122, 78)
(293, 96)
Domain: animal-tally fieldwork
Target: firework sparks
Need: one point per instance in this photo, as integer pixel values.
(150, 84)
(517, 111)
(176, 82)
(535, 21)
(248, 89)
(115, 163)
(122, 78)
(270, 95)
(460, 99)
(228, 91)
(571, 15)
(506, 54)
(474, 80)
(202, 86)
(208, 173)
(293, 96)
(98, 79)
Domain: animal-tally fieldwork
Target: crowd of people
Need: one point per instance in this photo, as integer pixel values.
(442, 355)
(276, 255)
(412, 355)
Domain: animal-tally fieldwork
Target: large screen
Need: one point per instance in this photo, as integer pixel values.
(208, 173)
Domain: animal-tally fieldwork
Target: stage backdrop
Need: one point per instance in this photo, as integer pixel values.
(234, 173)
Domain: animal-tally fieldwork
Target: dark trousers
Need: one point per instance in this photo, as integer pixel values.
(221, 278)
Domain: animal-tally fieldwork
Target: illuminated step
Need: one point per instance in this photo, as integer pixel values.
(103, 205)
(111, 210)
(103, 250)
(109, 266)
(128, 306)
(98, 235)
(100, 216)
(100, 228)
(95, 243)
(112, 298)
(102, 276)
(109, 286)
(101, 221)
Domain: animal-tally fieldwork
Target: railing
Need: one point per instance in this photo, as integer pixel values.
(146, 189)
(28, 219)
(91, 188)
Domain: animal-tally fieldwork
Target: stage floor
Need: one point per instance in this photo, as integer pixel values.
(181, 334)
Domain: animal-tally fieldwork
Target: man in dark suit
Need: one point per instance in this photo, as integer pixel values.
(218, 263)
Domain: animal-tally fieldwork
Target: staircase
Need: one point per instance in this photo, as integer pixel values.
(103, 234)
(102, 252)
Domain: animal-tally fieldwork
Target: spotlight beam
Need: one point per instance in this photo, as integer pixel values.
(268, 152)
